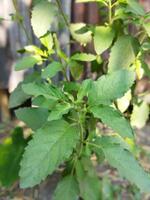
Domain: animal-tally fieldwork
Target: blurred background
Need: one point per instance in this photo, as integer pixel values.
(13, 37)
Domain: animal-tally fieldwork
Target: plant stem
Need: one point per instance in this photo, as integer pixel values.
(20, 20)
(109, 12)
(62, 13)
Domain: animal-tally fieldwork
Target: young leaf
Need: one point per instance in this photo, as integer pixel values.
(51, 70)
(103, 37)
(85, 57)
(43, 15)
(122, 54)
(110, 87)
(59, 110)
(47, 41)
(27, 62)
(51, 145)
(127, 166)
(67, 189)
(34, 118)
(113, 119)
(140, 115)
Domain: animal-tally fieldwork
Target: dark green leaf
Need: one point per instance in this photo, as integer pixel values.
(11, 151)
(32, 117)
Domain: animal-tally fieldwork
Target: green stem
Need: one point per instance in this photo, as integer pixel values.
(109, 12)
(20, 20)
(62, 13)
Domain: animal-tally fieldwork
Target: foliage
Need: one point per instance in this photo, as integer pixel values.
(64, 116)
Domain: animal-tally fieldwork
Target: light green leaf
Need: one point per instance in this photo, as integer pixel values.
(103, 37)
(43, 15)
(27, 62)
(122, 54)
(140, 115)
(34, 118)
(47, 41)
(51, 145)
(84, 38)
(147, 28)
(85, 57)
(113, 119)
(67, 189)
(59, 110)
(11, 151)
(51, 70)
(127, 166)
(124, 102)
(110, 87)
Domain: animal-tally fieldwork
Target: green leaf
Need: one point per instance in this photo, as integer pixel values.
(47, 41)
(147, 28)
(59, 110)
(76, 69)
(32, 117)
(110, 87)
(85, 57)
(140, 115)
(127, 166)
(103, 37)
(84, 89)
(46, 12)
(136, 7)
(19, 93)
(83, 39)
(21, 97)
(122, 54)
(27, 62)
(67, 189)
(113, 119)
(89, 184)
(11, 151)
(51, 145)
(41, 89)
(42, 102)
(51, 70)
